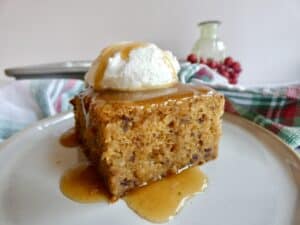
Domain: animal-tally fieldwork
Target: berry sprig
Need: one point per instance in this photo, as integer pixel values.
(229, 68)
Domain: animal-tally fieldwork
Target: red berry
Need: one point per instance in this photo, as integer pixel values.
(233, 75)
(237, 67)
(225, 74)
(192, 58)
(233, 81)
(228, 61)
(209, 61)
(229, 70)
(213, 65)
(222, 68)
(202, 60)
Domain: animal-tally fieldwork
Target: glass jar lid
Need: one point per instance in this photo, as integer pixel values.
(209, 22)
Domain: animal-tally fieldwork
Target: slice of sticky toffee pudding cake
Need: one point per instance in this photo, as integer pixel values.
(139, 124)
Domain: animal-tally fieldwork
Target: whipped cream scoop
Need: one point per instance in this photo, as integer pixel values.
(131, 66)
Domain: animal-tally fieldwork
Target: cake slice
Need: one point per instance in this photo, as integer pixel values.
(134, 138)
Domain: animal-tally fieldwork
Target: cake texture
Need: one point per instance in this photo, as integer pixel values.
(134, 138)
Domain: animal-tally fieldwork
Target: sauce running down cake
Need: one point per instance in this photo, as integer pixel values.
(148, 126)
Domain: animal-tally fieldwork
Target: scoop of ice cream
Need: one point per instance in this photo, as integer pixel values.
(132, 66)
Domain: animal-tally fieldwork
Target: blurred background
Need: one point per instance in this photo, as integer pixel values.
(263, 35)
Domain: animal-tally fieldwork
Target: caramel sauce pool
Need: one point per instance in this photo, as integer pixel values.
(83, 184)
(160, 201)
(69, 138)
(157, 202)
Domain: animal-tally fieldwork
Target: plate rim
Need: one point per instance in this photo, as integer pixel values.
(66, 115)
(271, 134)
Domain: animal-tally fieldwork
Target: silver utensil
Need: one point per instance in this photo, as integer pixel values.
(68, 69)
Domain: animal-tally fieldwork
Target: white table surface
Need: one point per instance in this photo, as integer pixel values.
(263, 34)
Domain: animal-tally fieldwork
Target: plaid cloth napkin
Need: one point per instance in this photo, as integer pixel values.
(276, 109)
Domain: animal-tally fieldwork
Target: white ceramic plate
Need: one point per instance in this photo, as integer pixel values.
(255, 180)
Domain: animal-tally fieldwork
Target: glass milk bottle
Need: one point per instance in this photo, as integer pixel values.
(209, 45)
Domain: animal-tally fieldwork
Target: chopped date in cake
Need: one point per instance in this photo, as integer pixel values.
(126, 123)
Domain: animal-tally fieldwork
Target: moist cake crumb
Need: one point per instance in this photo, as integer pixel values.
(134, 138)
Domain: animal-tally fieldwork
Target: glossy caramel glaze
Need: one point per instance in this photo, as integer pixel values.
(157, 202)
(100, 64)
(143, 99)
(176, 92)
(160, 201)
(83, 184)
(69, 138)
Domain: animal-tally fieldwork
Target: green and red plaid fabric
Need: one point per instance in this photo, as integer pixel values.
(276, 109)
(277, 113)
